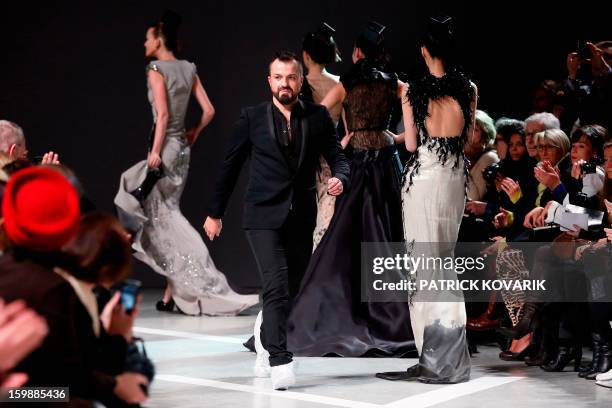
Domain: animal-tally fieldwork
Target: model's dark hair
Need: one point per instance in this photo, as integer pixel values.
(287, 56)
(596, 135)
(321, 46)
(440, 40)
(167, 27)
(371, 41)
(507, 127)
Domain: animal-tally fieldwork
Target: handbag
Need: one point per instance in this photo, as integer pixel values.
(510, 265)
(153, 176)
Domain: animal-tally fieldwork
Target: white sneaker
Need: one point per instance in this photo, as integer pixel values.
(262, 362)
(283, 376)
(607, 376)
(607, 384)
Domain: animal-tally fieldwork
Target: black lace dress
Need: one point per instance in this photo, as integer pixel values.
(329, 316)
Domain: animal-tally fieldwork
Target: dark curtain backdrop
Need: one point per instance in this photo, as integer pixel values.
(72, 75)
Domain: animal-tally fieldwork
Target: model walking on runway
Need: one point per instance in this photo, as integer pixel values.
(437, 110)
(163, 238)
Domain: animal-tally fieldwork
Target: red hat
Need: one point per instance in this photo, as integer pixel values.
(41, 209)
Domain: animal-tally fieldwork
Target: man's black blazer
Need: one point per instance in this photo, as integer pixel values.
(273, 188)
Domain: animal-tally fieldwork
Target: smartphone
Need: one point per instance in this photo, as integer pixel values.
(130, 288)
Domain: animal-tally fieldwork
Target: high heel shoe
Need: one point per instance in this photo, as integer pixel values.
(524, 326)
(512, 356)
(165, 306)
(565, 356)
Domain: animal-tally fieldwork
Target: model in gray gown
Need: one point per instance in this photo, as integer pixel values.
(163, 238)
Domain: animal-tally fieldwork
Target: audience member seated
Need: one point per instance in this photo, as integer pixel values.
(536, 123)
(13, 143)
(41, 215)
(480, 151)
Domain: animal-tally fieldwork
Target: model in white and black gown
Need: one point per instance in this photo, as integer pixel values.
(433, 202)
(329, 316)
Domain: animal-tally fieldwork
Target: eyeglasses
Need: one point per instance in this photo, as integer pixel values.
(541, 148)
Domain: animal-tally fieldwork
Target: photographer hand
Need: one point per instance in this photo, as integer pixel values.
(476, 207)
(577, 170)
(502, 219)
(599, 66)
(532, 219)
(116, 321)
(511, 188)
(547, 175)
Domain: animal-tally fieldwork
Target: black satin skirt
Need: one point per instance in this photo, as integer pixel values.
(328, 317)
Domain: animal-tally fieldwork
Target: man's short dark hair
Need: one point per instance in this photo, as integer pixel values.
(288, 56)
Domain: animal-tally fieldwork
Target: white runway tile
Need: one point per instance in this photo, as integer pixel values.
(200, 362)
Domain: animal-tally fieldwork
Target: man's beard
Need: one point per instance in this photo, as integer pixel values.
(287, 98)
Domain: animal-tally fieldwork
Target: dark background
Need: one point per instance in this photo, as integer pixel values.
(72, 75)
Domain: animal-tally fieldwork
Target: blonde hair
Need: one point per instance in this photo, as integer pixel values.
(556, 137)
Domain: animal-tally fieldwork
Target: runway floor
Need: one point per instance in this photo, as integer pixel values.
(201, 362)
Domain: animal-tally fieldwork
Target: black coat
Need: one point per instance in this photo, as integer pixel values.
(71, 355)
(273, 189)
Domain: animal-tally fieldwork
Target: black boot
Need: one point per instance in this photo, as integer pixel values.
(604, 362)
(594, 366)
(565, 356)
(524, 326)
(548, 348)
(411, 374)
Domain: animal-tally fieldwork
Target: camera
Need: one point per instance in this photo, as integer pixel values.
(491, 172)
(588, 168)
